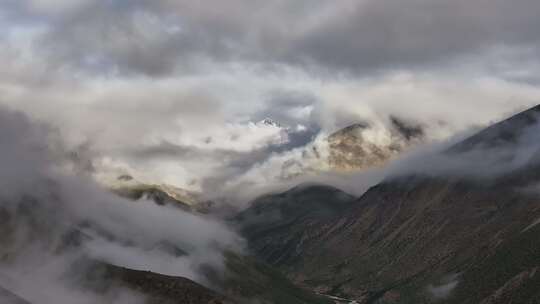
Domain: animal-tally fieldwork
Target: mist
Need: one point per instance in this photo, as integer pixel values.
(492, 156)
(54, 222)
(171, 92)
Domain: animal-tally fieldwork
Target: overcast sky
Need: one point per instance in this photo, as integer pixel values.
(171, 87)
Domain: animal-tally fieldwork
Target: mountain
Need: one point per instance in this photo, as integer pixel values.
(245, 279)
(360, 146)
(27, 233)
(270, 122)
(278, 225)
(356, 147)
(157, 288)
(242, 280)
(412, 239)
(505, 132)
(248, 280)
(162, 194)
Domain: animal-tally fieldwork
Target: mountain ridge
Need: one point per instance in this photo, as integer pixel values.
(399, 241)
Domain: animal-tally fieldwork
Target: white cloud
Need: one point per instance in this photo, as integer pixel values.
(179, 81)
(111, 229)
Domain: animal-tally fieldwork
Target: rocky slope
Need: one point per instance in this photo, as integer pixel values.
(413, 239)
(359, 146)
(162, 194)
(156, 288)
(354, 148)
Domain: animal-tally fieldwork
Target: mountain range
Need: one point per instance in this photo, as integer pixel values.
(416, 237)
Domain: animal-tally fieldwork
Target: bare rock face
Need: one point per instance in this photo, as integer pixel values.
(161, 194)
(356, 147)
(349, 150)
(359, 146)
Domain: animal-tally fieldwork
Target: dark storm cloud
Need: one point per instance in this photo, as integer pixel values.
(398, 34)
(159, 37)
(120, 38)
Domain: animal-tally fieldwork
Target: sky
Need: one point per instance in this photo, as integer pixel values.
(171, 90)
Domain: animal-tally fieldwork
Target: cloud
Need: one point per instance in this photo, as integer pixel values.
(171, 90)
(56, 7)
(439, 108)
(394, 34)
(168, 89)
(173, 131)
(444, 290)
(498, 153)
(160, 37)
(43, 209)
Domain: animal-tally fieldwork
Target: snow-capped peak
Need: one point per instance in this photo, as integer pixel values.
(270, 122)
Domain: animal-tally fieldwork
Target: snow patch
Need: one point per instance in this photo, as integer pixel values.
(531, 225)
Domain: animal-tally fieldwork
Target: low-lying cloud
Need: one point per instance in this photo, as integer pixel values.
(485, 157)
(53, 221)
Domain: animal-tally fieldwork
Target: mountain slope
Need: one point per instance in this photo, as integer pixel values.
(251, 281)
(157, 288)
(423, 239)
(278, 225)
(503, 133)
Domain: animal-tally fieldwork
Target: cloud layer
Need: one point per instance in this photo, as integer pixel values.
(172, 89)
(52, 224)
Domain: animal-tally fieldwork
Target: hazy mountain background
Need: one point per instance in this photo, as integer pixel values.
(274, 151)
